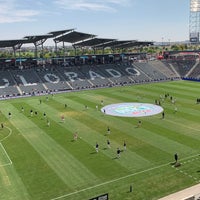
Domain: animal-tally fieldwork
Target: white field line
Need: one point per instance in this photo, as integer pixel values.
(10, 132)
(118, 179)
(10, 161)
(189, 175)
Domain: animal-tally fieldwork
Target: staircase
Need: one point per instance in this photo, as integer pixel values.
(190, 71)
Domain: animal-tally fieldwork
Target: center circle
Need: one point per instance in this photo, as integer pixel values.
(132, 109)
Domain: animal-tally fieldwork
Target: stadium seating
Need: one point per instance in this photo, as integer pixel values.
(54, 78)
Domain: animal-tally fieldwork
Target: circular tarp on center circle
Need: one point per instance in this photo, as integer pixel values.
(132, 109)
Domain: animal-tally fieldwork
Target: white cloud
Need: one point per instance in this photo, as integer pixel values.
(95, 5)
(10, 12)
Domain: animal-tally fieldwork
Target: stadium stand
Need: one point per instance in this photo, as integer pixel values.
(195, 73)
(160, 66)
(47, 79)
(54, 78)
(154, 75)
(182, 66)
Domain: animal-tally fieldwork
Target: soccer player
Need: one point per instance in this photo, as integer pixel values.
(22, 109)
(176, 157)
(75, 136)
(48, 123)
(31, 111)
(2, 125)
(163, 115)
(118, 153)
(9, 115)
(63, 118)
(124, 146)
(108, 144)
(97, 147)
(108, 130)
(139, 123)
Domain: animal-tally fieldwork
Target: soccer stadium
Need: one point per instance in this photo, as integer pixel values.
(94, 125)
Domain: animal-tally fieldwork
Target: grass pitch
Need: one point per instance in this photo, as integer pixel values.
(41, 160)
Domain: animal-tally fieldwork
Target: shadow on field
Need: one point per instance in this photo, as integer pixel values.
(94, 152)
(176, 164)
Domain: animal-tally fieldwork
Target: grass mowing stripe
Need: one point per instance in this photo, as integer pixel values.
(117, 136)
(91, 136)
(119, 179)
(146, 185)
(148, 136)
(10, 182)
(183, 135)
(34, 174)
(101, 125)
(162, 142)
(85, 130)
(56, 157)
(11, 185)
(78, 148)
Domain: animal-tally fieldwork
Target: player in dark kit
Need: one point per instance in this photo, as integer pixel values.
(163, 115)
(108, 130)
(108, 143)
(118, 153)
(176, 157)
(9, 114)
(139, 123)
(97, 147)
(124, 146)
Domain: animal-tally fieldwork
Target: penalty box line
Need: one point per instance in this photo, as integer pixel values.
(118, 179)
(10, 161)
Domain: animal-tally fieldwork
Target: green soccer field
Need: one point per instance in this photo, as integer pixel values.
(41, 161)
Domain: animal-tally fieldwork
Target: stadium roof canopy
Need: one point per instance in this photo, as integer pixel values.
(74, 37)
(77, 39)
(114, 43)
(36, 38)
(12, 43)
(93, 42)
(61, 32)
(134, 44)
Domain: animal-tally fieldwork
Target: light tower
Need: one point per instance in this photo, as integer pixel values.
(194, 26)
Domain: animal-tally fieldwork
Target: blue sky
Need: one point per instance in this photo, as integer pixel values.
(144, 20)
